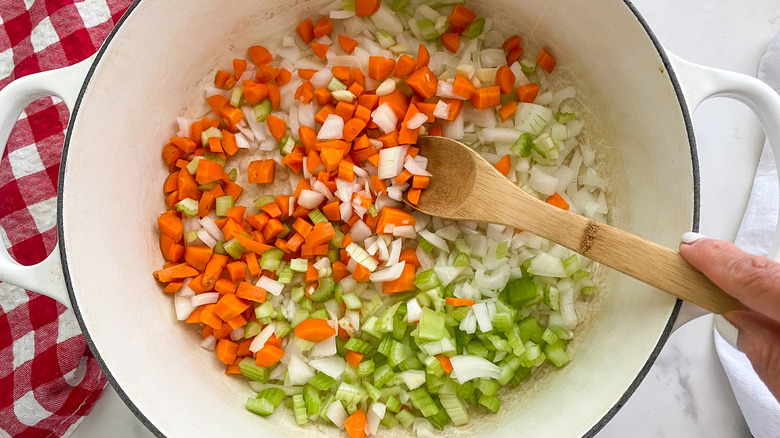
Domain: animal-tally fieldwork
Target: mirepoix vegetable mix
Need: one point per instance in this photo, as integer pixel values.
(288, 246)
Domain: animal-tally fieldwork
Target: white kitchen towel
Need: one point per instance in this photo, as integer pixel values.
(759, 407)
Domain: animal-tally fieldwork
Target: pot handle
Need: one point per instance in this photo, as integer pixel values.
(699, 83)
(45, 277)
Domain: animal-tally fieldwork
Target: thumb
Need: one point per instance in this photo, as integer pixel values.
(759, 339)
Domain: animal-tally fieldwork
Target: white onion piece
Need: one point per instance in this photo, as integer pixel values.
(321, 78)
(237, 334)
(391, 161)
(325, 348)
(209, 343)
(336, 414)
(345, 210)
(182, 302)
(498, 134)
(213, 91)
(434, 240)
(384, 117)
(298, 371)
(387, 274)
(413, 311)
(472, 367)
(483, 317)
(416, 121)
(374, 416)
(359, 231)
(414, 167)
(306, 114)
(332, 366)
(542, 182)
(442, 110)
(251, 120)
(320, 187)
(211, 227)
(259, 341)
(341, 15)
(332, 128)
(271, 286)
(455, 128)
(444, 89)
(406, 231)
(205, 298)
(386, 87)
(310, 199)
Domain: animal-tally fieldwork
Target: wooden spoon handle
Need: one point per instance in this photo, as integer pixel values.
(642, 259)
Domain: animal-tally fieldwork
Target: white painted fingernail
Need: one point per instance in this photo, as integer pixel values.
(690, 237)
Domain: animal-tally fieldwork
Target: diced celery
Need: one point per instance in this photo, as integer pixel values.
(464, 390)
(251, 370)
(190, 236)
(263, 200)
(372, 392)
(335, 85)
(219, 249)
(549, 336)
(316, 216)
(187, 207)
(207, 134)
(439, 419)
(433, 366)
(571, 265)
(425, 245)
(352, 301)
(260, 406)
(223, 205)
(384, 38)
(286, 145)
(271, 259)
(565, 118)
(284, 274)
(350, 394)
(366, 368)
(273, 395)
(300, 315)
(372, 210)
(486, 386)
(556, 354)
(426, 280)
(358, 345)
(530, 330)
(320, 314)
(336, 241)
(192, 166)
(521, 292)
(423, 402)
(389, 421)
(235, 96)
(475, 28)
(519, 376)
(523, 145)
(262, 110)
(460, 312)
(233, 174)
(431, 326)
(208, 186)
(297, 293)
(514, 341)
(252, 328)
(350, 375)
(382, 375)
(325, 288)
(393, 405)
(211, 156)
(503, 320)
(311, 396)
(476, 348)
(234, 248)
(299, 409)
(397, 6)
(348, 5)
(551, 297)
(508, 366)
(372, 306)
(299, 265)
(492, 403)
(406, 417)
(322, 381)
(461, 260)
(588, 290)
(427, 29)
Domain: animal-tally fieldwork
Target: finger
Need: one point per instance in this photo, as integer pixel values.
(753, 280)
(759, 339)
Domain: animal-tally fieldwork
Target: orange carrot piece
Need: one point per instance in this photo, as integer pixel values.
(250, 292)
(458, 302)
(213, 270)
(173, 287)
(339, 271)
(505, 79)
(314, 330)
(404, 283)
(208, 317)
(323, 27)
(380, 67)
(311, 275)
(364, 8)
(346, 171)
(423, 82)
(369, 101)
(236, 271)
(175, 272)
(254, 91)
(261, 171)
(420, 182)
(305, 92)
(347, 44)
(274, 96)
(305, 30)
(185, 144)
(361, 273)
(171, 153)
(225, 286)
(557, 200)
(276, 126)
(284, 77)
(321, 233)
(512, 43)
(462, 16)
(232, 189)
(405, 65)
(302, 226)
(227, 351)
(209, 171)
(331, 211)
(321, 50)
(268, 355)
(486, 97)
(450, 41)
(345, 110)
(546, 61)
(171, 225)
(445, 363)
(220, 78)
(398, 102)
(507, 111)
(409, 256)
(266, 73)
(194, 317)
(413, 196)
(252, 263)
(229, 306)
(423, 56)
(504, 165)
(435, 131)
(239, 67)
(353, 128)
(527, 93)
(353, 358)
(393, 216)
(272, 229)
(198, 256)
(513, 55)
(306, 73)
(355, 424)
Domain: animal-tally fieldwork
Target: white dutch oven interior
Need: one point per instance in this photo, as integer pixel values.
(154, 69)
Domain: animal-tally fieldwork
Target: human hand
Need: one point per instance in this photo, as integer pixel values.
(755, 281)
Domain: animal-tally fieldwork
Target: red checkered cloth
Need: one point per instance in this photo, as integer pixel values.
(48, 377)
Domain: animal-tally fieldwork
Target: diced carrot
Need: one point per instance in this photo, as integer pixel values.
(322, 233)
(321, 50)
(284, 77)
(294, 160)
(450, 301)
(305, 30)
(260, 55)
(486, 97)
(397, 101)
(198, 256)
(250, 292)
(361, 273)
(404, 283)
(445, 363)
(215, 145)
(557, 200)
(272, 229)
(306, 73)
(435, 131)
(171, 225)
(276, 126)
(323, 27)
(324, 112)
(208, 317)
(275, 96)
(239, 67)
(413, 196)
(403, 177)
(355, 424)
(353, 358)
(173, 287)
(226, 351)
(369, 101)
(346, 171)
(314, 330)
(331, 211)
(261, 171)
(341, 73)
(220, 78)
(423, 82)
(305, 92)
(268, 355)
(505, 79)
(345, 110)
(347, 44)
(175, 272)
(420, 182)
(209, 171)
(364, 8)
(229, 306)
(380, 67)
(355, 88)
(266, 73)
(405, 65)
(527, 93)
(462, 16)
(450, 41)
(409, 255)
(252, 264)
(546, 61)
(171, 153)
(254, 91)
(353, 128)
(225, 286)
(512, 43)
(507, 111)
(395, 217)
(214, 269)
(423, 56)
(513, 55)
(185, 144)
(504, 165)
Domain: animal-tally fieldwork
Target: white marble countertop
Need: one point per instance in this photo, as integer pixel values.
(686, 393)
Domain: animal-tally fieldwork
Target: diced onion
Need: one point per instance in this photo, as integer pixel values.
(472, 367)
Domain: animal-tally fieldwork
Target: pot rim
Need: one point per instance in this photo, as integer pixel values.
(149, 425)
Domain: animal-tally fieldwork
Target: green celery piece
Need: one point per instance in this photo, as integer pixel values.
(233, 174)
(426, 280)
(351, 375)
(399, 327)
(425, 245)
(252, 328)
(188, 207)
(475, 28)
(427, 29)
(523, 145)
(520, 375)
(297, 293)
(440, 419)
(588, 290)
(207, 134)
(463, 391)
(251, 370)
(551, 297)
(263, 200)
(352, 301)
(190, 236)
(369, 327)
(398, 5)
(336, 85)
(423, 402)
(382, 375)
(322, 381)
(299, 265)
(461, 260)
(223, 204)
(486, 386)
(385, 323)
(556, 354)
(211, 156)
(325, 288)
(372, 392)
(433, 366)
(299, 409)
(520, 292)
(264, 310)
(406, 417)
(192, 166)
(565, 118)
(503, 321)
(431, 327)
(311, 396)
(286, 145)
(271, 259)
(274, 395)
(491, 403)
(260, 406)
(371, 307)
(208, 186)
(393, 404)
(358, 345)
(459, 313)
(348, 5)
(316, 216)
(454, 408)
(527, 65)
(389, 421)
(508, 366)
(234, 248)
(219, 249)
(549, 336)
(476, 348)
(262, 110)
(320, 314)
(530, 330)
(365, 368)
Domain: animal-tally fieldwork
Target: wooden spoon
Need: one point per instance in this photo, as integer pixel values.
(464, 186)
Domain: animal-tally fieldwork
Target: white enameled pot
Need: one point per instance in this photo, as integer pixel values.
(153, 68)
